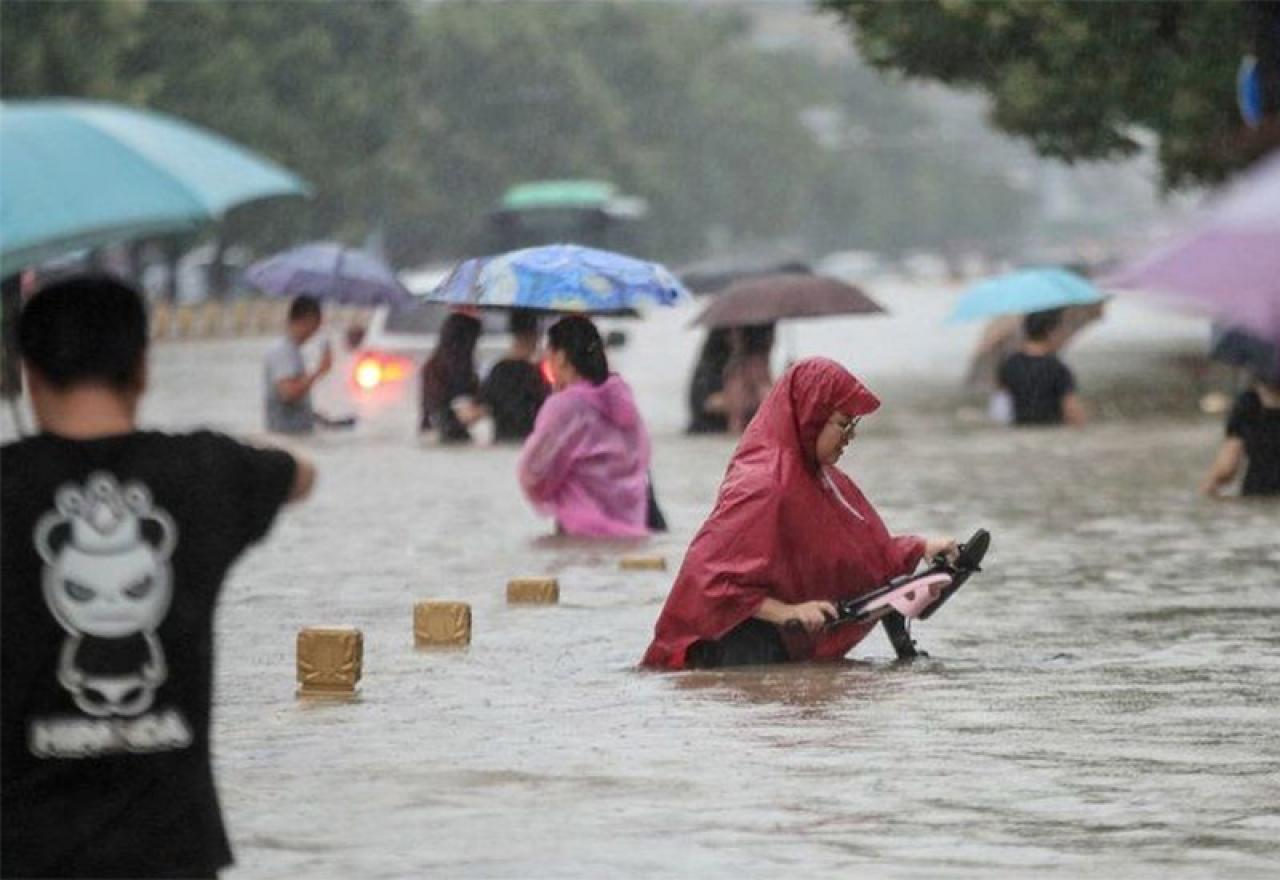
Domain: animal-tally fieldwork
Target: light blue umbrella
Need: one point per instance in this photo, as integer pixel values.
(1025, 291)
(560, 278)
(80, 174)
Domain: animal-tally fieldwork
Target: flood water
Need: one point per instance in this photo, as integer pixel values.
(1103, 699)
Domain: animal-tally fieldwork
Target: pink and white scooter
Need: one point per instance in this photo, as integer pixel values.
(915, 596)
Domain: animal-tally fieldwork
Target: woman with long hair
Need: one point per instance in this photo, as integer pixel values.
(450, 382)
(586, 462)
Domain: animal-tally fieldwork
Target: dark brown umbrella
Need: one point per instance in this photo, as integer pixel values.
(777, 297)
(713, 276)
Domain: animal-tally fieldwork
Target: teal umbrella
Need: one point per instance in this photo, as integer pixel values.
(80, 174)
(1023, 292)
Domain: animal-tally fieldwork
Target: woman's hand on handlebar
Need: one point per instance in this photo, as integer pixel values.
(811, 615)
(941, 547)
(814, 615)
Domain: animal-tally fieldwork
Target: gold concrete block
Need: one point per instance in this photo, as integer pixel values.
(541, 591)
(210, 320)
(241, 313)
(441, 623)
(184, 320)
(264, 317)
(330, 661)
(643, 563)
(161, 320)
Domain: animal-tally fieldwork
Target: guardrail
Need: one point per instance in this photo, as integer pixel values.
(220, 319)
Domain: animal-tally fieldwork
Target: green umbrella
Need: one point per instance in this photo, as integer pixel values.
(80, 174)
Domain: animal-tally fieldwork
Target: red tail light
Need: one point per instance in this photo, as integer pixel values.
(373, 370)
(547, 374)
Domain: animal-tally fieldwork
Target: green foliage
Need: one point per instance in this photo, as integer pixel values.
(412, 119)
(1079, 79)
(64, 50)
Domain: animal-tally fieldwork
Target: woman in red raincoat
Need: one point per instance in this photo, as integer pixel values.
(790, 535)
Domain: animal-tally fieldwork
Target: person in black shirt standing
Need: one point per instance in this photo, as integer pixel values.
(1041, 387)
(1253, 433)
(116, 543)
(514, 390)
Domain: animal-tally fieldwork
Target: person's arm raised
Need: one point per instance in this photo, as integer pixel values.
(295, 388)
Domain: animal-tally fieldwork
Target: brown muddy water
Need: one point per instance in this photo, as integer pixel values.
(1102, 700)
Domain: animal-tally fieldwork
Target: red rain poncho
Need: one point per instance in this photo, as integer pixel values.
(784, 526)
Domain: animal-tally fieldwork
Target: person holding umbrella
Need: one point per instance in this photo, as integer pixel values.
(587, 461)
(1040, 387)
(288, 381)
(450, 382)
(748, 376)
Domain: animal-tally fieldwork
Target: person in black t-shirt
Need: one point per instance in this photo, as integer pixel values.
(1253, 433)
(1040, 386)
(514, 390)
(116, 542)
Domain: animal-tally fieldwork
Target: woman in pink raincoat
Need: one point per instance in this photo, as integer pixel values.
(586, 462)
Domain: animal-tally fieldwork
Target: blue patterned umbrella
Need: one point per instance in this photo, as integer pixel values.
(560, 278)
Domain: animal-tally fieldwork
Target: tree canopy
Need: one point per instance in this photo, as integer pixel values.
(411, 119)
(1081, 80)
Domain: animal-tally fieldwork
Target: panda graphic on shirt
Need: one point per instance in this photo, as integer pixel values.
(108, 582)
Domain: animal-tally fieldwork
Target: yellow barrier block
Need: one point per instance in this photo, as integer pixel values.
(538, 591)
(441, 624)
(263, 316)
(240, 317)
(161, 320)
(330, 661)
(211, 318)
(643, 563)
(184, 320)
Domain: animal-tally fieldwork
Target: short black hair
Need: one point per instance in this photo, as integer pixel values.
(523, 322)
(85, 330)
(304, 306)
(1038, 325)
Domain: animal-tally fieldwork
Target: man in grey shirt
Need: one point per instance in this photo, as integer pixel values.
(288, 384)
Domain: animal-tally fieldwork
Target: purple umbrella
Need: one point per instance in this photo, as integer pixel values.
(332, 272)
(1228, 265)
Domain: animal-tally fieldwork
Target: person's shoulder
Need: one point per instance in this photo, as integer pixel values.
(16, 455)
(282, 348)
(196, 446)
(1248, 403)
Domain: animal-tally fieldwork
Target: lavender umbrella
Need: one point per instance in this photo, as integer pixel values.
(1228, 265)
(330, 271)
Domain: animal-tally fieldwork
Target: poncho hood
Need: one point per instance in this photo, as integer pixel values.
(784, 526)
